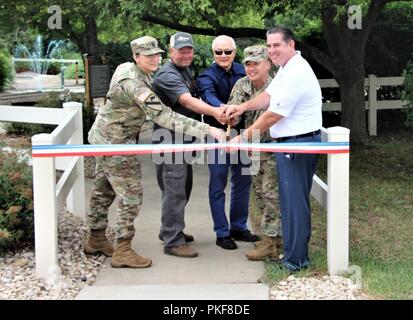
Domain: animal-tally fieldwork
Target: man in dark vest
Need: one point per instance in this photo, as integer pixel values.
(175, 86)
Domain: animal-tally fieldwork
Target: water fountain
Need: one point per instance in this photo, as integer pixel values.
(39, 58)
(29, 87)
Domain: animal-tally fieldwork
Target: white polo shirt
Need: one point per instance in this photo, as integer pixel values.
(296, 95)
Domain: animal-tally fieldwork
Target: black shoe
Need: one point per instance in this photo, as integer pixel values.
(188, 237)
(244, 236)
(226, 243)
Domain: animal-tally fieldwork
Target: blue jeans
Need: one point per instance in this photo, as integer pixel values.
(240, 190)
(295, 178)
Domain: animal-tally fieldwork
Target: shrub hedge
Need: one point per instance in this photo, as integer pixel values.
(6, 70)
(407, 93)
(16, 203)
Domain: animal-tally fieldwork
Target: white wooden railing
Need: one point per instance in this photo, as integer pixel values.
(48, 195)
(373, 83)
(334, 197)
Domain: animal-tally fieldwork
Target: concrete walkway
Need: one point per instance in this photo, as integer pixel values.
(30, 87)
(215, 274)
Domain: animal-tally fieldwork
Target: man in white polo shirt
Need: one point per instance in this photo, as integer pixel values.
(294, 114)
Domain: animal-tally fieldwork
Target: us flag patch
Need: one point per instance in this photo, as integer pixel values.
(145, 94)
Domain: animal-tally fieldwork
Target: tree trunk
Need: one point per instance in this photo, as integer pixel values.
(347, 48)
(350, 77)
(91, 37)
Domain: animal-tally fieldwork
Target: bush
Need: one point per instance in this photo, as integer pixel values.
(407, 93)
(26, 129)
(53, 100)
(70, 71)
(16, 203)
(203, 58)
(6, 70)
(22, 66)
(53, 68)
(116, 53)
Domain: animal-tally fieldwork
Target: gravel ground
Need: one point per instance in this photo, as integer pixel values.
(18, 280)
(322, 288)
(17, 272)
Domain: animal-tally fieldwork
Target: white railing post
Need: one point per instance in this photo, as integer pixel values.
(338, 204)
(373, 106)
(75, 201)
(45, 211)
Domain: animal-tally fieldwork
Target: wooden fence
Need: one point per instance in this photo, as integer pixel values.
(372, 83)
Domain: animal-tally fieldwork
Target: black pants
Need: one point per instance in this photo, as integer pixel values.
(175, 182)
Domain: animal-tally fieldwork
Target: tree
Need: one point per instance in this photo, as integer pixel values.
(78, 21)
(343, 57)
(342, 51)
(390, 45)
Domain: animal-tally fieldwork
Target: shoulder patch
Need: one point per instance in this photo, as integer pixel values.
(146, 97)
(153, 103)
(144, 94)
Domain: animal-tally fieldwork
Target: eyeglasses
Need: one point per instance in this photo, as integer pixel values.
(220, 52)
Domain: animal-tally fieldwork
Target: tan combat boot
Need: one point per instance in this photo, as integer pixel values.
(124, 256)
(260, 242)
(183, 251)
(278, 241)
(267, 248)
(98, 243)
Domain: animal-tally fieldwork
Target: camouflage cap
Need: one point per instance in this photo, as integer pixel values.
(145, 45)
(255, 53)
(180, 40)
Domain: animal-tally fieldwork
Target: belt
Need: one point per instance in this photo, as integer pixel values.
(309, 134)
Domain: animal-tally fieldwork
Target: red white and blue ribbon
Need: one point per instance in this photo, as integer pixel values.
(130, 149)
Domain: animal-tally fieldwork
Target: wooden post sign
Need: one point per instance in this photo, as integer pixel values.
(97, 78)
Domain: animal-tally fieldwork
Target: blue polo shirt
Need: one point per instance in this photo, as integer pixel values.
(215, 85)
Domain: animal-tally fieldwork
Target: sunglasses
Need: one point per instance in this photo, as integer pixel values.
(220, 52)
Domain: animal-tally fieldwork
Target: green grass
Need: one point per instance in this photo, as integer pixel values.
(70, 71)
(381, 218)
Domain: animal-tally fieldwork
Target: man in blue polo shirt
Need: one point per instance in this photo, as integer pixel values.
(215, 85)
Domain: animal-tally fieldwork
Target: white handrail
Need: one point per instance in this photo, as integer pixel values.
(46, 60)
(47, 194)
(31, 114)
(334, 197)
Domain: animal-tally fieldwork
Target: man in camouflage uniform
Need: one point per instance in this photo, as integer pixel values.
(129, 102)
(257, 68)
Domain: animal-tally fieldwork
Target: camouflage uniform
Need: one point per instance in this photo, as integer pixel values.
(129, 103)
(264, 182)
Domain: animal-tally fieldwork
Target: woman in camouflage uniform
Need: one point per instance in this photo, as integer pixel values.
(129, 102)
